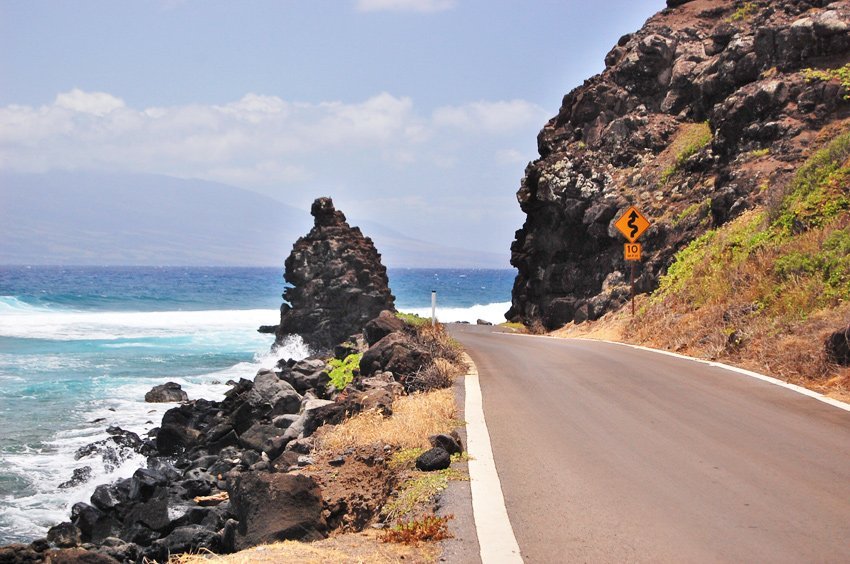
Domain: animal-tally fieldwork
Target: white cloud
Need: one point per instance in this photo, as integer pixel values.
(95, 103)
(383, 143)
(492, 117)
(405, 5)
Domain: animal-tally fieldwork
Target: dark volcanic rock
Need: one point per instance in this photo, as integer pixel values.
(338, 281)
(434, 459)
(396, 353)
(79, 476)
(378, 328)
(64, 535)
(184, 539)
(730, 68)
(307, 374)
(446, 442)
(276, 507)
(168, 392)
(838, 347)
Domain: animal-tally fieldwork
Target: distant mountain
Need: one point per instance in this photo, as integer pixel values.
(138, 219)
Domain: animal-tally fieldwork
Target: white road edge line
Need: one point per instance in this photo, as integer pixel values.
(492, 525)
(750, 373)
(775, 381)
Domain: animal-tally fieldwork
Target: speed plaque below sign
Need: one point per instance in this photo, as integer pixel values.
(631, 251)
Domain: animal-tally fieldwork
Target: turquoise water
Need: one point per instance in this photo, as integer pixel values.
(79, 347)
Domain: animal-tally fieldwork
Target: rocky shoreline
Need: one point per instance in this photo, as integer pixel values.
(226, 475)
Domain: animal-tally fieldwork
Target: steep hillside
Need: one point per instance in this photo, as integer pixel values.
(702, 116)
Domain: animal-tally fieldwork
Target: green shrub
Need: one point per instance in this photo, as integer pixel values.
(743, 12)
(841, 74)
(342, 371)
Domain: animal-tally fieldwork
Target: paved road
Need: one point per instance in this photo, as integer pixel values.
(612, 454)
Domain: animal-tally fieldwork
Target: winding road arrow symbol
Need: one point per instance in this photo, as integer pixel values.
(632, 224)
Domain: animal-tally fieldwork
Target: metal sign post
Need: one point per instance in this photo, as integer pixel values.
(632, 224)
(433, 308)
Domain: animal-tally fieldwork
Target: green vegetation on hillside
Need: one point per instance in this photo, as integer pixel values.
(799, 244)
(841, 74)
(768, 272)
(743, 12)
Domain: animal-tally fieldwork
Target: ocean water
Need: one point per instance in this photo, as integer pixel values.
(80, 346)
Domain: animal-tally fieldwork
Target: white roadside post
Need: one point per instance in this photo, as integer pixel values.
(433, 308)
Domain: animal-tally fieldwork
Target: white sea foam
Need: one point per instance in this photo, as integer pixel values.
(494, 313)
(45, 504)
(37, 323)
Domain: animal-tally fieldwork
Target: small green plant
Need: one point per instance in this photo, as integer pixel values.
(758, 153)
(342, 371)
(743, 12)
(841, 74)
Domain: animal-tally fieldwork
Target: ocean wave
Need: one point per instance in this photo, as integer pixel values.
(41, 504)
(39, 323)
(494, 313)
(14, 305)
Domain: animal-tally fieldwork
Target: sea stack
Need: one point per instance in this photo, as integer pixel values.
(337, 281)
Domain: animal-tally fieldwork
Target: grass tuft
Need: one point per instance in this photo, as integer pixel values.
(428, 528)
(690, 139)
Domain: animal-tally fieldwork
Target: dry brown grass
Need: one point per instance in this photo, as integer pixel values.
(439, 343)
(354, 548)
(414, 418)
(440, 373)
(425, 529)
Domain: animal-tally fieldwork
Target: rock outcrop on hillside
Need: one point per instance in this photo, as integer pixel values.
(701, 114)
(337, 281)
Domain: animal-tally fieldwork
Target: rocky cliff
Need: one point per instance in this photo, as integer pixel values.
(703, 113)
(337, 281)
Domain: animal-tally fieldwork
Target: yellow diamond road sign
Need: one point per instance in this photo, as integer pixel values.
(632, 224)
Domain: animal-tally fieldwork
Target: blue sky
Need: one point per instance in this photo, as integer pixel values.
(419, 114)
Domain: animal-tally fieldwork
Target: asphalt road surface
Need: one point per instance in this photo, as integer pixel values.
(612, 454)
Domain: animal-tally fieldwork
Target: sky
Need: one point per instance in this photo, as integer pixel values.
(417, 114)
